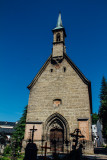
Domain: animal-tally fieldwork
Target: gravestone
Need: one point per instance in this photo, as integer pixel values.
(31, 148)
(31, 152)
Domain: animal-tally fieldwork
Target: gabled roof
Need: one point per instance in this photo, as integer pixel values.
(84, 79)
(39, 73)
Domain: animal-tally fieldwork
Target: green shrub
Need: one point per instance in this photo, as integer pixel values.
(7, 150)
(5, 158)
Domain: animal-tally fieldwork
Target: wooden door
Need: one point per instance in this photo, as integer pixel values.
(56, 140)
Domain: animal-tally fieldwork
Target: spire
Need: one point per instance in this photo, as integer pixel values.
(59, 22)
(59, 26)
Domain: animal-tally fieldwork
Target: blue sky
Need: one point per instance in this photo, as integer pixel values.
(26, 43)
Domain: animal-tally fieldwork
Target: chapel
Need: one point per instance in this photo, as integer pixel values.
(59, 100)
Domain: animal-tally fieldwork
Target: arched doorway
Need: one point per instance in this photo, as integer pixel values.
(56, 128)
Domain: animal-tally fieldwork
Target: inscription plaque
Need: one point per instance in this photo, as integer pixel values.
(83, 126)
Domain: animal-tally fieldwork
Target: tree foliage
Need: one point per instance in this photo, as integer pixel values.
(103, 107)
(3, 138)
(95, 118)
(103, 91)
(18, 134)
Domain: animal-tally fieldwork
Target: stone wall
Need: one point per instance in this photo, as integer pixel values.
(58, 49)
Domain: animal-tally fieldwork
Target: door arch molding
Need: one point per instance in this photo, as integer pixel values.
(56, 120)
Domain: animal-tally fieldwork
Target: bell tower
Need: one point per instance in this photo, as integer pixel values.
(58, 39)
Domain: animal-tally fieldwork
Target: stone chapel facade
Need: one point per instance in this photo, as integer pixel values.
(59, 100)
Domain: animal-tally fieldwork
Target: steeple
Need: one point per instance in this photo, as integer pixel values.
(58, 39)
(59, 22)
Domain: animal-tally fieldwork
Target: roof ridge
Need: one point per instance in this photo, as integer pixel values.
(39, 73)
(77, 69)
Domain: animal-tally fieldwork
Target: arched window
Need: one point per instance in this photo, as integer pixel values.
(58, 37)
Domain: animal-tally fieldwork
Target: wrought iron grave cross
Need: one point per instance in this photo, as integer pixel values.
(76, 134)
(33, 130)
(46, 147)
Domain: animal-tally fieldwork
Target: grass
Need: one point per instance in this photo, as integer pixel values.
(8, 157)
